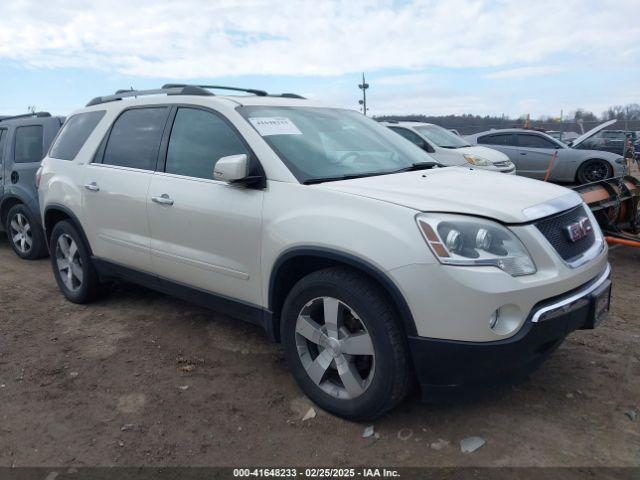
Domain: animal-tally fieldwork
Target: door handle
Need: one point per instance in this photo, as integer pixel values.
(523, 153)
(93, 186)
(163, 199)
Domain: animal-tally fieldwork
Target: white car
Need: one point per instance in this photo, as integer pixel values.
(374, 269)
(450, 149)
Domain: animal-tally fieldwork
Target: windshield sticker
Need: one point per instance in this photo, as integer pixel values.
(274, 126)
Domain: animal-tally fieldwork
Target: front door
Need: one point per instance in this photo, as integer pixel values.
(535, 155)
(115, 188)
(205, 233)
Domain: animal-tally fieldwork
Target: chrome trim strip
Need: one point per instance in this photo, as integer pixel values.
(573, 298)
(557, 205)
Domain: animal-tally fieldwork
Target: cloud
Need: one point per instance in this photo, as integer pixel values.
(408, 79)
(193, 39)
(523, 72)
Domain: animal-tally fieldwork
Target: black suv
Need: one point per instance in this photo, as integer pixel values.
(24, 141)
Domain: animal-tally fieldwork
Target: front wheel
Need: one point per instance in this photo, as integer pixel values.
(72, 267)
(594, 171)
(343, 344)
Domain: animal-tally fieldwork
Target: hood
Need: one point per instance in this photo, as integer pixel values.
(506, 198)
(484, 152)
(591, 132)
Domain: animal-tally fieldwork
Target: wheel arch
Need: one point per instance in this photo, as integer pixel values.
(293, 264)
(7, 203)
(56, 213)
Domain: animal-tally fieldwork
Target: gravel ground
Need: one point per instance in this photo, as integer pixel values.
(140, 378)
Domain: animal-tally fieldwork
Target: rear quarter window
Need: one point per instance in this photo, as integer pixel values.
(29, 144)
(74, 134)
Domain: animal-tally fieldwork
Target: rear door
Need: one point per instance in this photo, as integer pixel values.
(3, 147)
(535, 153)
(205, 233)
(28, 152)
(116, 184)
(503, 142)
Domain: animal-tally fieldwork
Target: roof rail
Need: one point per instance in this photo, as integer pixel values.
(290, 95)
(166, 90)
(26, 115)
(259, 93)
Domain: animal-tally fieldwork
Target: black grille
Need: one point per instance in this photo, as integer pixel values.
(553, 228)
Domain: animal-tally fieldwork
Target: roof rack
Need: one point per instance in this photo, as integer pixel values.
(26, 115)
(166, 90)
(289, 95)
(259, 93)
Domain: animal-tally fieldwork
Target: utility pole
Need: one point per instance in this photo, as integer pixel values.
(363, 86)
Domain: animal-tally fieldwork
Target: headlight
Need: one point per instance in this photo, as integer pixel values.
(471, 241)
(476, 160)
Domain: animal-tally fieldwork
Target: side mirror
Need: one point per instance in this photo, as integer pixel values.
(232, 168)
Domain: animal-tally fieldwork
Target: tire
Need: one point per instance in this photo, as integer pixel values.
(72, 266)
(593, 171)
(383, 379)
(26, 236)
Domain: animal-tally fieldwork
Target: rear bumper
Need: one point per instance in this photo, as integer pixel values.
(449, 368)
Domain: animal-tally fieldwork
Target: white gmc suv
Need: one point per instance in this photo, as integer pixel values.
(370, 264)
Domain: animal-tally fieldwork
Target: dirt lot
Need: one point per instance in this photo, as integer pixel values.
(143, 379)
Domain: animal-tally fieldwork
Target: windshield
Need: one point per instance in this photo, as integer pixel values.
(322, 144)
(442, 137)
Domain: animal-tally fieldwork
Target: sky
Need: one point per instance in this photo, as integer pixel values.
(486, 57)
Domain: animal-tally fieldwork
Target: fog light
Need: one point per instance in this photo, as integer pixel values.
(493, 319)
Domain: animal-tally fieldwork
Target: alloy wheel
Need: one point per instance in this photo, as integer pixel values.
(596, 171)
(335, 348)
(21, 234)
(69, 262)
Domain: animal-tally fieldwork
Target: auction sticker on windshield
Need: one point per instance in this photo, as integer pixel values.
(274, 126)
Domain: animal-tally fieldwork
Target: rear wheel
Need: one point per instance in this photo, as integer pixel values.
(594, 171)
(72, 267)
(344, 345)
(25, 235)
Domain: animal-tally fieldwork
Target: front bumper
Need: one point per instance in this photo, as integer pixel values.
(446, 367)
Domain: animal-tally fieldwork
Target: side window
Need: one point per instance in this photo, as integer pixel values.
(74, 133)
(135, 138)
(198, 140)
(535, 141)
(501, 139)
(3, 141)
(28, 147)
(409, 135)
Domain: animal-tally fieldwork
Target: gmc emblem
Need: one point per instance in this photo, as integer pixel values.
(578, 230)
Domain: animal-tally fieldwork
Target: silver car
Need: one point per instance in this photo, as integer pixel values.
(532, 153)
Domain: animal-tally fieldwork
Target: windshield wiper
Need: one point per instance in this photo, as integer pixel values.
(417, 166)
(348, 176)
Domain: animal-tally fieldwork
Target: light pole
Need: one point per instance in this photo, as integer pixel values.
(363, 86)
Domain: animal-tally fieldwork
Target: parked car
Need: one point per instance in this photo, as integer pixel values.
(532, 153)
(24, 139)
(371, 267)
(613, 141)
(450, 149)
